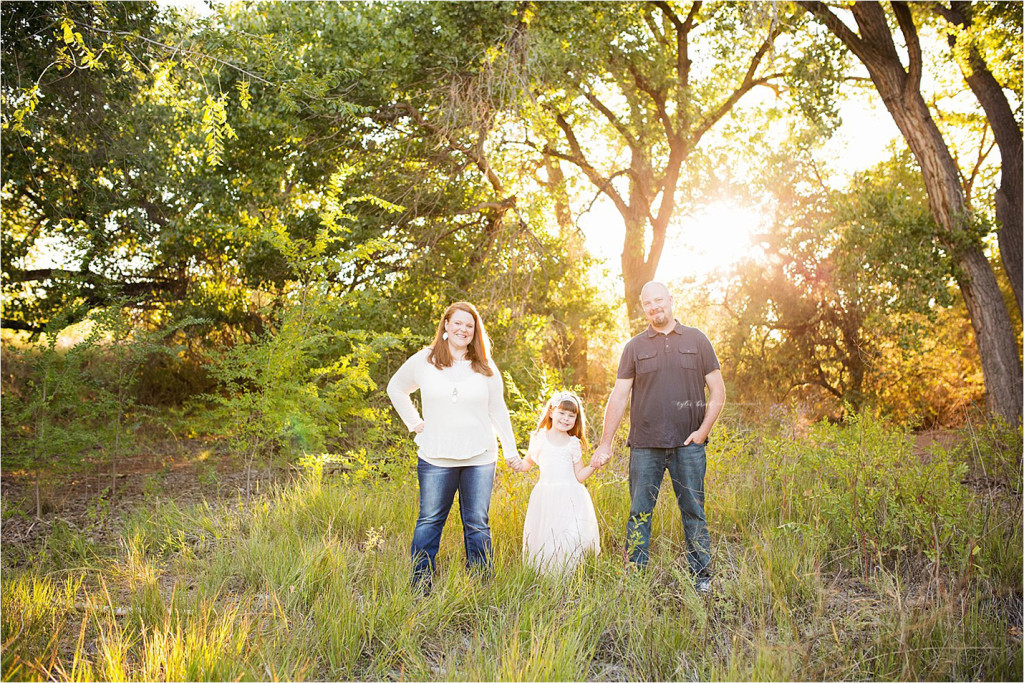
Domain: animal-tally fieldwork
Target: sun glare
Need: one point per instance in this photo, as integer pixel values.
(709, 239)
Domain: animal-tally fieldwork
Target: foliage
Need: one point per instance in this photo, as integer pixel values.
(628, 104)
(81, 185)
(874, 493)
(289, 389)
(117, 370)
(993, 451)
(285, 196)
(848, 299)
(138, 191)
(900, 87)
(861, 490)
(426, 139)
(49, 422)
(71, 400)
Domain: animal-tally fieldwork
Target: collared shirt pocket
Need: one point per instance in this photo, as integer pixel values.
(646, 361)
(689, 359)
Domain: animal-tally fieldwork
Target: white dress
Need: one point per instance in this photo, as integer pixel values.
(560, 522)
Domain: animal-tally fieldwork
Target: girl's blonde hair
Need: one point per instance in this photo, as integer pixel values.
(570, 402)
(440, 357)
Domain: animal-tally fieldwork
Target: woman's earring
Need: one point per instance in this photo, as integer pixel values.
(445, 336)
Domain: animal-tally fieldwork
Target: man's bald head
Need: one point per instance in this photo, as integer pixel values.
(657, 305)
(653, 287)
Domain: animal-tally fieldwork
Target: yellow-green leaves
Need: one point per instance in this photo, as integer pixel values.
(244, 97)
(23, 107)
(216, 128)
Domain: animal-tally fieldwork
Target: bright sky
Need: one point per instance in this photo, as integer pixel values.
(199, 6)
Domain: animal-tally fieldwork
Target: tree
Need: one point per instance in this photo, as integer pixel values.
(64, 97)
(842, 276)
(849, 302)
(141, 143)
(626, 105)
(435, 83)
(900, 89)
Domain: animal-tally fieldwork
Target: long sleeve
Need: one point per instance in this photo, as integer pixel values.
(499, 416)
(401, 385)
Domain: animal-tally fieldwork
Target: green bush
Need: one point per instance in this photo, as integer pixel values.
(858, 484)
(993, 450)
(872, 490)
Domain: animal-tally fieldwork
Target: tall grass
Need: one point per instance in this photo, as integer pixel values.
(312, 582)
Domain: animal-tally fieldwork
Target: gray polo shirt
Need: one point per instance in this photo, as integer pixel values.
(668, 373)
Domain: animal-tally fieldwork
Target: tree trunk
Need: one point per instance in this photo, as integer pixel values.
(572, 337)
(1009, 205)
(900, 90)
(998, 350)
(662, 120)
(39, 503)
(993, 330)
(636, 270)
(1009, 209)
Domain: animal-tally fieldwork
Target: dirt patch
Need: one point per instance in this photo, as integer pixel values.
(923, 441)
(96, 498)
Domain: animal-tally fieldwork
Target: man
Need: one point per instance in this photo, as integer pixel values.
(666, 368)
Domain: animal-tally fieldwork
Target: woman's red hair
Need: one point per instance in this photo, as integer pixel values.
(477, 352)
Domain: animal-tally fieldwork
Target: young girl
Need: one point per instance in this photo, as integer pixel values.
(560, 522)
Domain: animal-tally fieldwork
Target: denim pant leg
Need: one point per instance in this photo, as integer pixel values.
(646, 470)
(687, 466)
(475, 485)
(437, 492)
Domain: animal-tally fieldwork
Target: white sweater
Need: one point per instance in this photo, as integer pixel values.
(462, 410)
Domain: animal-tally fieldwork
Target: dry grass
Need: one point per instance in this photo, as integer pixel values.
(311, 582)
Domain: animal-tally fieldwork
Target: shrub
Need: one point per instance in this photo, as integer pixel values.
(859, 484)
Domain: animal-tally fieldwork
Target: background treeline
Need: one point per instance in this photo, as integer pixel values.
(239, 223)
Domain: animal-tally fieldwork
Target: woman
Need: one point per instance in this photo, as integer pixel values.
(463, 406)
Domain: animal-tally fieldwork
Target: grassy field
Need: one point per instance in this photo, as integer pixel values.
(841, 553)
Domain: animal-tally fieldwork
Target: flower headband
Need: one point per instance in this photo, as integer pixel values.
(565, 396)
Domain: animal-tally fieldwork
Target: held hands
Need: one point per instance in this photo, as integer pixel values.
(602, 454)
(516, 464)
(418, 429)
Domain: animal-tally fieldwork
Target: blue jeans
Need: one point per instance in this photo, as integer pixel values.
(438, 486)
(686, 466)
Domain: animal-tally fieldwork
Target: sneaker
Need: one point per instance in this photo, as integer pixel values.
(422, 586)
(703, 586)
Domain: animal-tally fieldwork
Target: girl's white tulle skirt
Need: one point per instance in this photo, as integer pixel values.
(560, 527)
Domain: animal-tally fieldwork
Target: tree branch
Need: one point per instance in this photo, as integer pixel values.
(683, 29)
(21, 325)
(836, 25)
(502, 206)
(474, 154)
(906, 23)
(658, 98)
(658, 34)
(745, 86)
(633, 143)
(131, 288)
(726, 106)
(580, 161)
